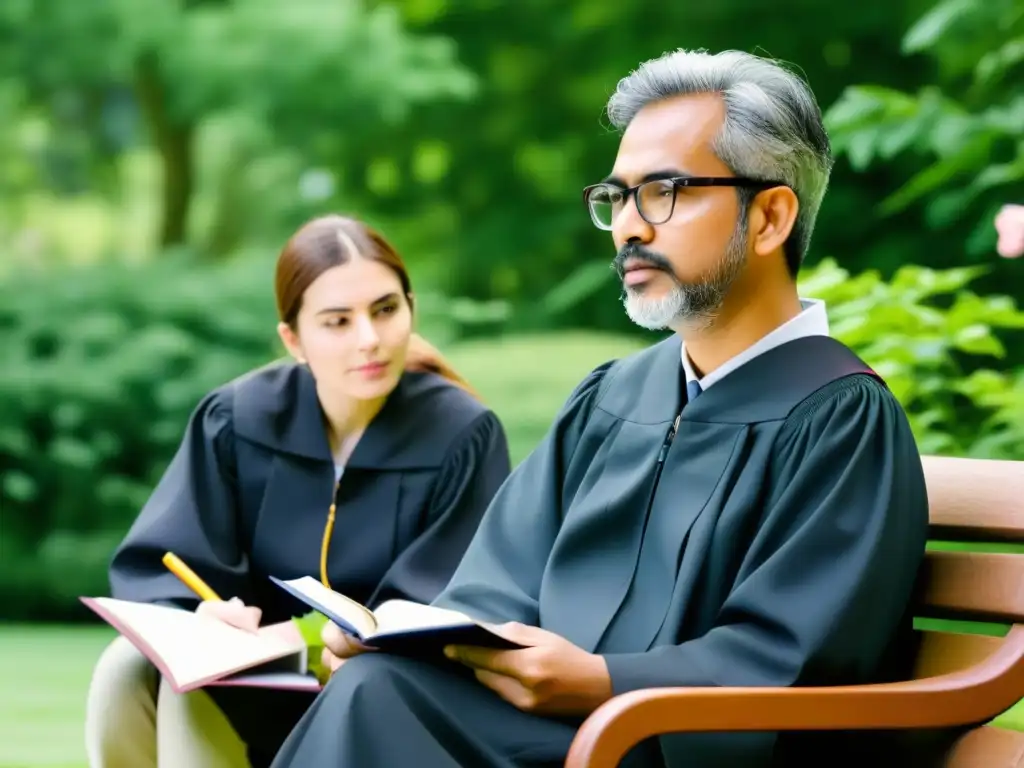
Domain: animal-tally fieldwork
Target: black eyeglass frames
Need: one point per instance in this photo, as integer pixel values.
(655, 199)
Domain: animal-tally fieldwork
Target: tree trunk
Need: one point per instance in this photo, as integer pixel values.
(174, 139)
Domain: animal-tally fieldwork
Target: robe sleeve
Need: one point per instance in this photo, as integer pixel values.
(476, 466)
(192, 512)
(499, 577)
(826, 582)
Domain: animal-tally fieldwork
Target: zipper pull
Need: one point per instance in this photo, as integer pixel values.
(667, 444)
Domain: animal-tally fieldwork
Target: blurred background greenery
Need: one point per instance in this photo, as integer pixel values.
(155, 154)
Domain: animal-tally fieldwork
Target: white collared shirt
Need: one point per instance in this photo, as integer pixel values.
(812, 321)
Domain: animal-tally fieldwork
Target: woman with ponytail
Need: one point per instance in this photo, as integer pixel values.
(364, 460)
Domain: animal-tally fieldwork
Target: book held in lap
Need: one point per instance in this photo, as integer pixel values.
(193, 651)
(396, 626)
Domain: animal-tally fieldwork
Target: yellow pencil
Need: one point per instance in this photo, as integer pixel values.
(191, 580)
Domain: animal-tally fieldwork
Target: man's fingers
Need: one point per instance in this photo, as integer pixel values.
(501, 662)
(340, 642)
(335, 639)
(523, 634)
(510, 689)
(329, 661)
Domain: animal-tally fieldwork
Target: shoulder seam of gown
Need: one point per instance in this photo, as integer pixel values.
(221, 401)
(831, 392)
(465, 436)
(481, 423)
(605, 374)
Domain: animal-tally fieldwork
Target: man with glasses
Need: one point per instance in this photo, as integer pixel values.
(741, 504)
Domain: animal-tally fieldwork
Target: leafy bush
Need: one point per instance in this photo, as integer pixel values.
(963, 127)
(937, 345)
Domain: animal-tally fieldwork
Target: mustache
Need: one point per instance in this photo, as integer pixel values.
(632, 251)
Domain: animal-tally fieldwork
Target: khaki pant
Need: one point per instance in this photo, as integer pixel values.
(133, 719)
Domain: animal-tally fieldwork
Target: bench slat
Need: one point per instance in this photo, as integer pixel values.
(943, 652)
(975, 499)
(973, 585)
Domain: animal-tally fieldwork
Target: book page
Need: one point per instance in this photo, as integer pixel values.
(317, 596)
(188, 648)
(403, 615)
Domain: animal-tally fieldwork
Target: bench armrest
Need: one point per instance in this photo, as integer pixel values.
(965, 697)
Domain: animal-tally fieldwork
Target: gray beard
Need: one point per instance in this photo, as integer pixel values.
(694, 305)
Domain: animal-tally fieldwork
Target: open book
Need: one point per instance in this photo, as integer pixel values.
(193, 651)
(397, 626)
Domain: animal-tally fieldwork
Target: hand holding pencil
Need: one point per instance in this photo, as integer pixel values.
(233, 611)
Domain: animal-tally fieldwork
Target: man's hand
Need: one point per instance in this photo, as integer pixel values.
(338, 646)
(552, 677)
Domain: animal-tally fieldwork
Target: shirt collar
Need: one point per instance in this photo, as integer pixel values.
(812, 321)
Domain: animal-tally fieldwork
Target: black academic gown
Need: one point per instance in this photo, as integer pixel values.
(772, 540)
(247, 496)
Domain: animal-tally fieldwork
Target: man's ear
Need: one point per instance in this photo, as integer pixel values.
(772, 217)
(291, 341)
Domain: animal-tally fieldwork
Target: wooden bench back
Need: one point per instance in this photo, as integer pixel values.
(978, 501)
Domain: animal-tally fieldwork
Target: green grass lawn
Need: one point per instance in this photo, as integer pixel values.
(45, 673)
(526, 378)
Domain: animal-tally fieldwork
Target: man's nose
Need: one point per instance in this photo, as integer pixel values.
(629, 226)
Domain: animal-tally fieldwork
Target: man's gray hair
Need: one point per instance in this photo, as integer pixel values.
(773, 129)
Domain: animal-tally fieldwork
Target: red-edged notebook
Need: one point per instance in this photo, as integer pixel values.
(193, 651)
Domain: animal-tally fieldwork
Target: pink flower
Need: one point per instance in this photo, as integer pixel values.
(1010, 226)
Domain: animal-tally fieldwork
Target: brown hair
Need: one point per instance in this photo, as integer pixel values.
(328, 241)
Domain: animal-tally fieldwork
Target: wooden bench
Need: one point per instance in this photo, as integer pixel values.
(960, 678)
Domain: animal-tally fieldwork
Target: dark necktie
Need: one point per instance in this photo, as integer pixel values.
(693, 391)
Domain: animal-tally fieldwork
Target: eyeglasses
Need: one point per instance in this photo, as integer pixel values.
(655, 200)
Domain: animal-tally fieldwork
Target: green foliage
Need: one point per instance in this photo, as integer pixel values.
(100, 368)
(283, 85)
(937, 344)
(965, 129)
(278, 61)
(465, 130)
(960, 136)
